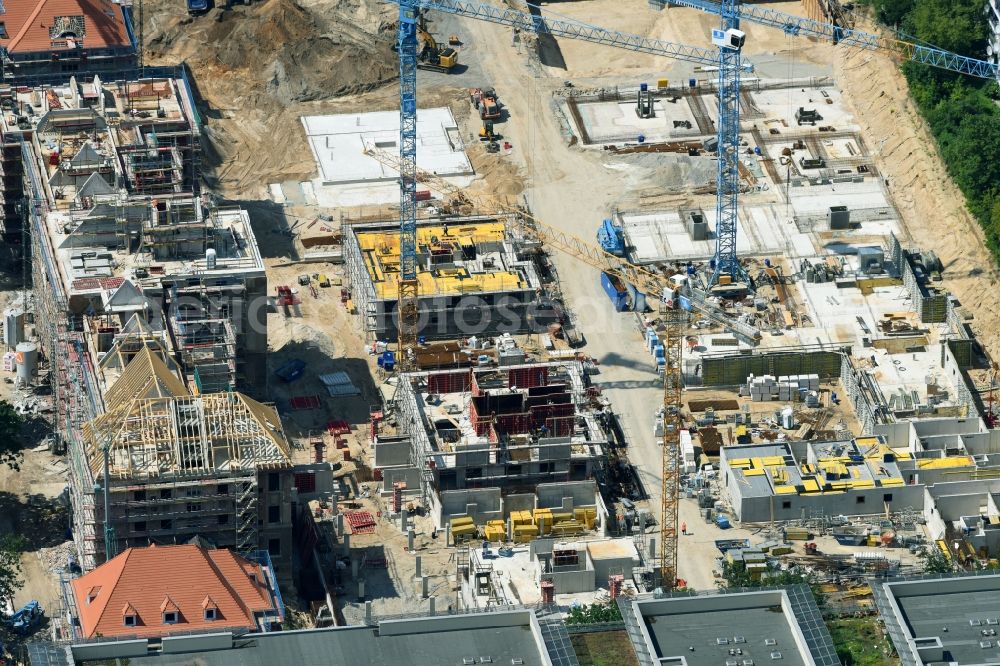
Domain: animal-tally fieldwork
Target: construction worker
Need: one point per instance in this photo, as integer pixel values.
(684, 528)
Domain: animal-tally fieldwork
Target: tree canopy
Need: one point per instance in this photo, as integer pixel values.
(10, 435)
(11, 581)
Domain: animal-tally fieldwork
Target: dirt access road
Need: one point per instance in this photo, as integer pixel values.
(573, 189)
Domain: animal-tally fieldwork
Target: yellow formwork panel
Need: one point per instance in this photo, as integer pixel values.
(381, 252)
(784, 490)
(886, 483)
(945, 463)
(864, 483)
(753, 472)
(773, 461)
(739, 462)
(866, 441)
(810, 485)
(901, 454)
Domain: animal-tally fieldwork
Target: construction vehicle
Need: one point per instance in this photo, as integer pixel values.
(485, 101)
(488, 133)
(431, 55)
(611, 238)
(196, 7)
(26, 618)
(490, 137)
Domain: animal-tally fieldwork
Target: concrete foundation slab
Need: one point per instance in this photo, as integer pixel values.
(347, 176)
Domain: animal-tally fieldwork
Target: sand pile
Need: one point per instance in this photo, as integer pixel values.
(291, 52)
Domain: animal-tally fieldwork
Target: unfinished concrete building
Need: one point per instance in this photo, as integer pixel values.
(487, 442)
(150, 315)
(474, 279)
(937, 471)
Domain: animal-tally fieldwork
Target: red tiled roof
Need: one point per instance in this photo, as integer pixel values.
(146, 582)
(29, 24)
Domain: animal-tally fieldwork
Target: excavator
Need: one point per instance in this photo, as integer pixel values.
(432, 55)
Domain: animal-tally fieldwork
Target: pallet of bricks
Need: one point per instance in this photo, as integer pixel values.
(785, 388)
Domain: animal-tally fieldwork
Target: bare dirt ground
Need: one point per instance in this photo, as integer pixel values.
(257, 69)
(680, 25)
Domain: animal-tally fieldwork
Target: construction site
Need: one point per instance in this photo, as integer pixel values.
(506, 324)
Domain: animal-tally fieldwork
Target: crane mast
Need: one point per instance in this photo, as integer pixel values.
(408, 307)
(727, 264)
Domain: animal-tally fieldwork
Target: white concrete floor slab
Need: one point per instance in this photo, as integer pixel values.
(338, 143)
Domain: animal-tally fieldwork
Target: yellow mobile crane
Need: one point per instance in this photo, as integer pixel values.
(673, 323)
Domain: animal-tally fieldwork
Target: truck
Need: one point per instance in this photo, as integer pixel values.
(486, 102)
(196, 7)
(611, 238)
(26, 618)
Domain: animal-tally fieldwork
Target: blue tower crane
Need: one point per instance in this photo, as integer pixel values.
(730, 40)
(408, 306)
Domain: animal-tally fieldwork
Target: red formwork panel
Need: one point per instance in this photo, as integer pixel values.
(449, 382)
(528, 377)
(361, 522)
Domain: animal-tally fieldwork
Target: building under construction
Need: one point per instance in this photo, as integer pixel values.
(475, 278)
(150, 315)
(486, 442)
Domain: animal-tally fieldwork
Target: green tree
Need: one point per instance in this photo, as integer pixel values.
(953, 25)
(596, 613)
(11, 546)
(10, 435)
(892, 13)
(935, 561)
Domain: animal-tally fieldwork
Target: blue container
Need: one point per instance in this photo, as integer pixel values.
(615, 291)
(690, 269)
(642, 138)
(643, 87)
(756, 150)
(767, 262)
(722, 522)
(692, 83)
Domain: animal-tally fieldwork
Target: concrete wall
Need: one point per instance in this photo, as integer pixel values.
(409, 475)
(323, 475)
(566, 496)
(392, 451)
(982, 443)
(604, 567)
(935, 525)
(791, 507)
(953, 507)
(897, 435)
(731, 370)
(574, 582)
(480, 504)
(930, 427)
